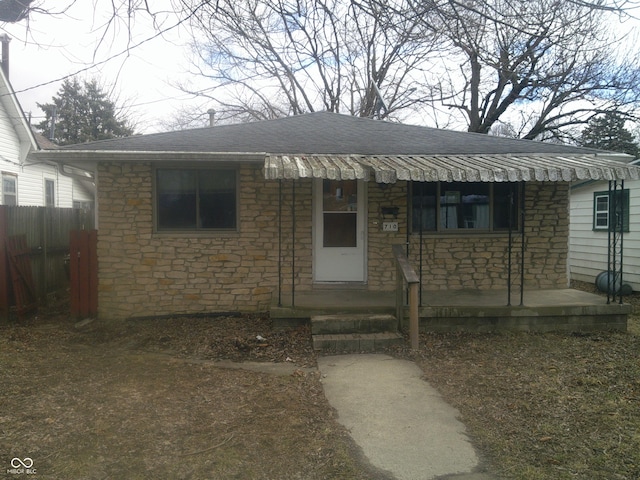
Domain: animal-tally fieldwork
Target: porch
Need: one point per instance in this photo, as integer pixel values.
(462, 310)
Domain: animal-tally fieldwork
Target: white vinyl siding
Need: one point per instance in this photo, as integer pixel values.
(9, 143)
(32, 186)
(15, 143)
(588, 247)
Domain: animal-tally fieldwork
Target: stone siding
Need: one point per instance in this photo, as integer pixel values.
(475, 261)
(143, 274)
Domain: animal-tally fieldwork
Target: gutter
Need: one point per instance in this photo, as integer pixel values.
(584, 183)
(77, 158)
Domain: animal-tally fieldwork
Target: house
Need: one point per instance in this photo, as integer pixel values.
(592, 246)
(25, 182)
(255, 216)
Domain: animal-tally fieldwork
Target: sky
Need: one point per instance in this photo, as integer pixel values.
(47, 48)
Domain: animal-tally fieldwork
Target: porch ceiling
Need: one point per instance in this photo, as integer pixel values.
(450, 168)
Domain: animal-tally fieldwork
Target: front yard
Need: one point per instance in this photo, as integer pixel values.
(544, 406)
(146, 400)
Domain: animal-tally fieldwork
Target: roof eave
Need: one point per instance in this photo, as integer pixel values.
(92, 157)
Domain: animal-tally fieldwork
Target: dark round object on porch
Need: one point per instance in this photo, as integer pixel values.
(606, 283)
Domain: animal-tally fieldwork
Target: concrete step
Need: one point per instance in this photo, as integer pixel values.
(356, 342)
(353, 323)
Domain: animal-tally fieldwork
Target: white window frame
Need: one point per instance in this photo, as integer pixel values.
(599, 214)
(14, 178)
(52, 182)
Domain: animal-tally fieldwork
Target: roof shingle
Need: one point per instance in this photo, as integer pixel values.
(326, 133)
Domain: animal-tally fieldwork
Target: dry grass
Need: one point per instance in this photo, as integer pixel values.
(141, 400)
(545, 406)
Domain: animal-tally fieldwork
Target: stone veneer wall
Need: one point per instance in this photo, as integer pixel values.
(476, 261)
(142, 273)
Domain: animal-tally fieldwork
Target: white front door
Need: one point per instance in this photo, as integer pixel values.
(339, 231)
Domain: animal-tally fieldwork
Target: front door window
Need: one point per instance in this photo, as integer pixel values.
(340, 213)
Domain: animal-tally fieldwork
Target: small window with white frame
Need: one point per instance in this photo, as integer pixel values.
(49, 192)
(9, 189)
(604, 216)
(601, 212)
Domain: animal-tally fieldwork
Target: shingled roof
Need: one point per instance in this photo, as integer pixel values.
(329, 145)
(325, 133)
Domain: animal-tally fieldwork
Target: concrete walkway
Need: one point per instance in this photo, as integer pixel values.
(401, 423)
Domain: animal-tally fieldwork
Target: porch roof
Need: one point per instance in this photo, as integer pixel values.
(450, 168)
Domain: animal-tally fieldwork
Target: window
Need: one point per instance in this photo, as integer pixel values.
(9, 190)
(49, 193)
(603, 210)
(464, 206)
(196, 199)
(340, 213)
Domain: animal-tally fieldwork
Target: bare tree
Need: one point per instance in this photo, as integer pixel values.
(543, 66)
(267, 59)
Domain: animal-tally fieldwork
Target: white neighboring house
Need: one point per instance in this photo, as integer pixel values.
(588, 231)
(25, 182)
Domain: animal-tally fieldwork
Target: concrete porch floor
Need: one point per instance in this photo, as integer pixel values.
(447, 310)
(349, 297)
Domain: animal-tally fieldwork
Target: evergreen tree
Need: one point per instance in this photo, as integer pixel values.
(83, 113)
(607, 132)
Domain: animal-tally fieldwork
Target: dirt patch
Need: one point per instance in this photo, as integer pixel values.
(143, 400)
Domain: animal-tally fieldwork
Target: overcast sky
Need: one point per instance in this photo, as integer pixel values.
(49, 48)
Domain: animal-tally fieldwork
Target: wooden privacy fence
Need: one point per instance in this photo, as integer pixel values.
(40, 240)
(83, 269)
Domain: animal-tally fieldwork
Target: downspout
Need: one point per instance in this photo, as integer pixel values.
(523, 215)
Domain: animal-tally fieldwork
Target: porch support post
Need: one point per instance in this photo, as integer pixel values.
(510, 245)
(279, 242)
(615, 240)
(621, 223)
(609, 241)
(523, 216)
(421, 246)
(293, 243)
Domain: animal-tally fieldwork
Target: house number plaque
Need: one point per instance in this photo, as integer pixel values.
(389, 226)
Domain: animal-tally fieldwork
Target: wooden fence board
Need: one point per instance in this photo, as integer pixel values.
(47, 237)
(4, 265)
(74, 271)
(21, 275)
(83, 272)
